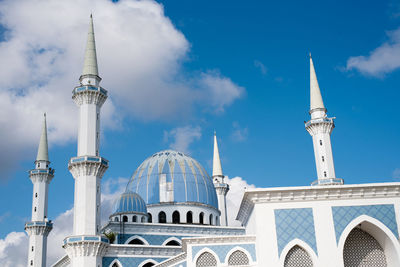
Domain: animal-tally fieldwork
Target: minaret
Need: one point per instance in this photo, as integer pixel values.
(86, 246)
(39, 227)
(220, 186)
(320, 128)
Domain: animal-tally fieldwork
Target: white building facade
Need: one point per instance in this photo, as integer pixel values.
(174, 214)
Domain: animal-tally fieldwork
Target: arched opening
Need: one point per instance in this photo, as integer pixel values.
(150, 217)
(362, 250)
(173, 243)
(238, 258)
(136, 241)
(115, 264)
(134, 218)
(176, 217)
(211, 219)
(189, 217)
(201, 218)
(162, 217)
(206, 259)
(116, 219)
(297, 256)
(125, 218)
(142, 219)
(148, 264)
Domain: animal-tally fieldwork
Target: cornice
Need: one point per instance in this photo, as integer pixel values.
(141, 250)
(217, 239)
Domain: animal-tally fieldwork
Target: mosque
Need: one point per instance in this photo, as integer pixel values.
(174, 214)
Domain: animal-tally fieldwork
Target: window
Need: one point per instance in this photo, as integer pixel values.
(176, 217)
(320, 142)
(35, 194)
(206, 259)
(149, 264)
(150, 217)
(116, 219)
(162, 217)
(323, 158)
(238, 258)
(324, 174)
(134, 218)
(297, 256)
(32, 248)
(211, 219)
(189, 217)
(34, 209)
(142, 219)
(125, 219)
(201, 218)
(31, 262)
(136, 241)
(173, 243)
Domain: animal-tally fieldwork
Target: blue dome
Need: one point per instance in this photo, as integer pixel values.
(130, 202)
(182, 177)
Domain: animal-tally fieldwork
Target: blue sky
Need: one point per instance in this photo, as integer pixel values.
(257, 51)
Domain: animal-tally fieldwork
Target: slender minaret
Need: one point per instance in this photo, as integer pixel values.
(320, 128)
(86, 246)
(39, 227)
(221, 187)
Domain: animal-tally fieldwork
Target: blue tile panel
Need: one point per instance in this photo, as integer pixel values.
(129, 261)
(295, 223)
(156, 240)
(188, 179)
(222, 250)
(343, 215)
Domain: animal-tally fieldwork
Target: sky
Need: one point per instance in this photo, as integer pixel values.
(176, 71)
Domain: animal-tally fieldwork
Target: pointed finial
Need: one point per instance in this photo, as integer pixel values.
(43, 153)
(90, 63)
(217, 169)
(315, 93)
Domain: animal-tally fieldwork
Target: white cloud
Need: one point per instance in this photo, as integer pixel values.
(259, 65)
(239, 134)
(140, 55)
(380, 61)
(14, 249)
(237, 187)
(182, 137)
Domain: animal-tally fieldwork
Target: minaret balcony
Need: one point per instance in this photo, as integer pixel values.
(45, 171)
(38, 227)
(87, 165)
(89, 94)
(319, 120)
(328, 181)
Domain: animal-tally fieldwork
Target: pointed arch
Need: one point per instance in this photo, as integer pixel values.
(132, 238)
(147, 263)
(380, 232)
(115, 263)
(303, 245)
(172, 239)
(201, 256)
(241, 250)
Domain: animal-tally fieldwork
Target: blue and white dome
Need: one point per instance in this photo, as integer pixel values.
(130, 202)
(178, 177)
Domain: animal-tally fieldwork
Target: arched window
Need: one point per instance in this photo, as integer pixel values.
(297, 256)
(125, 218)
(201, 218)
(142, 219)
(115, 264)
(150, 218)
(189, 217)
(173, 243)
(136, 241)
(238, 258)
(211, 219)
(362, 249)
(162, 217)
(206, 259)
(149, 264)
(134, 218)
(176, 217)
(116, 219)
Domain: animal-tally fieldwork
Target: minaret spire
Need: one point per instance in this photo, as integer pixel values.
(221, 187)
(316, 101)
(43, 152)
(320, 128)
(90, 63)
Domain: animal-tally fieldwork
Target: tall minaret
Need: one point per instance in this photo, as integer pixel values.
(39, 227)
(220, 186)
(320, 128)
(86, 246)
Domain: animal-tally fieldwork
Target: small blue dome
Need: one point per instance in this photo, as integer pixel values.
(180, 175)
(129, 202)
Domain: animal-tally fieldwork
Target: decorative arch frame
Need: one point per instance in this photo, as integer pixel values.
(172, 238)
(147, 261)
(206, 250)
(303, 245)
(230, 252)
(137, 237)
(115, 261)
(383, 235)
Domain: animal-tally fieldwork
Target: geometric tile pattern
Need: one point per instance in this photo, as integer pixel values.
(343, 215)
(222, 250)
(238, 258)
(206, 259)
(125, 261)
(297, 257)
(362, 250)
(295, 223)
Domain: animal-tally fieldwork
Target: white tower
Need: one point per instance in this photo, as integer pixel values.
(220, 186)
(320, 128)
(86, 246)
(39, 227)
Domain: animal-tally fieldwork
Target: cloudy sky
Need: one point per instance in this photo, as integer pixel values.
(178, 70)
